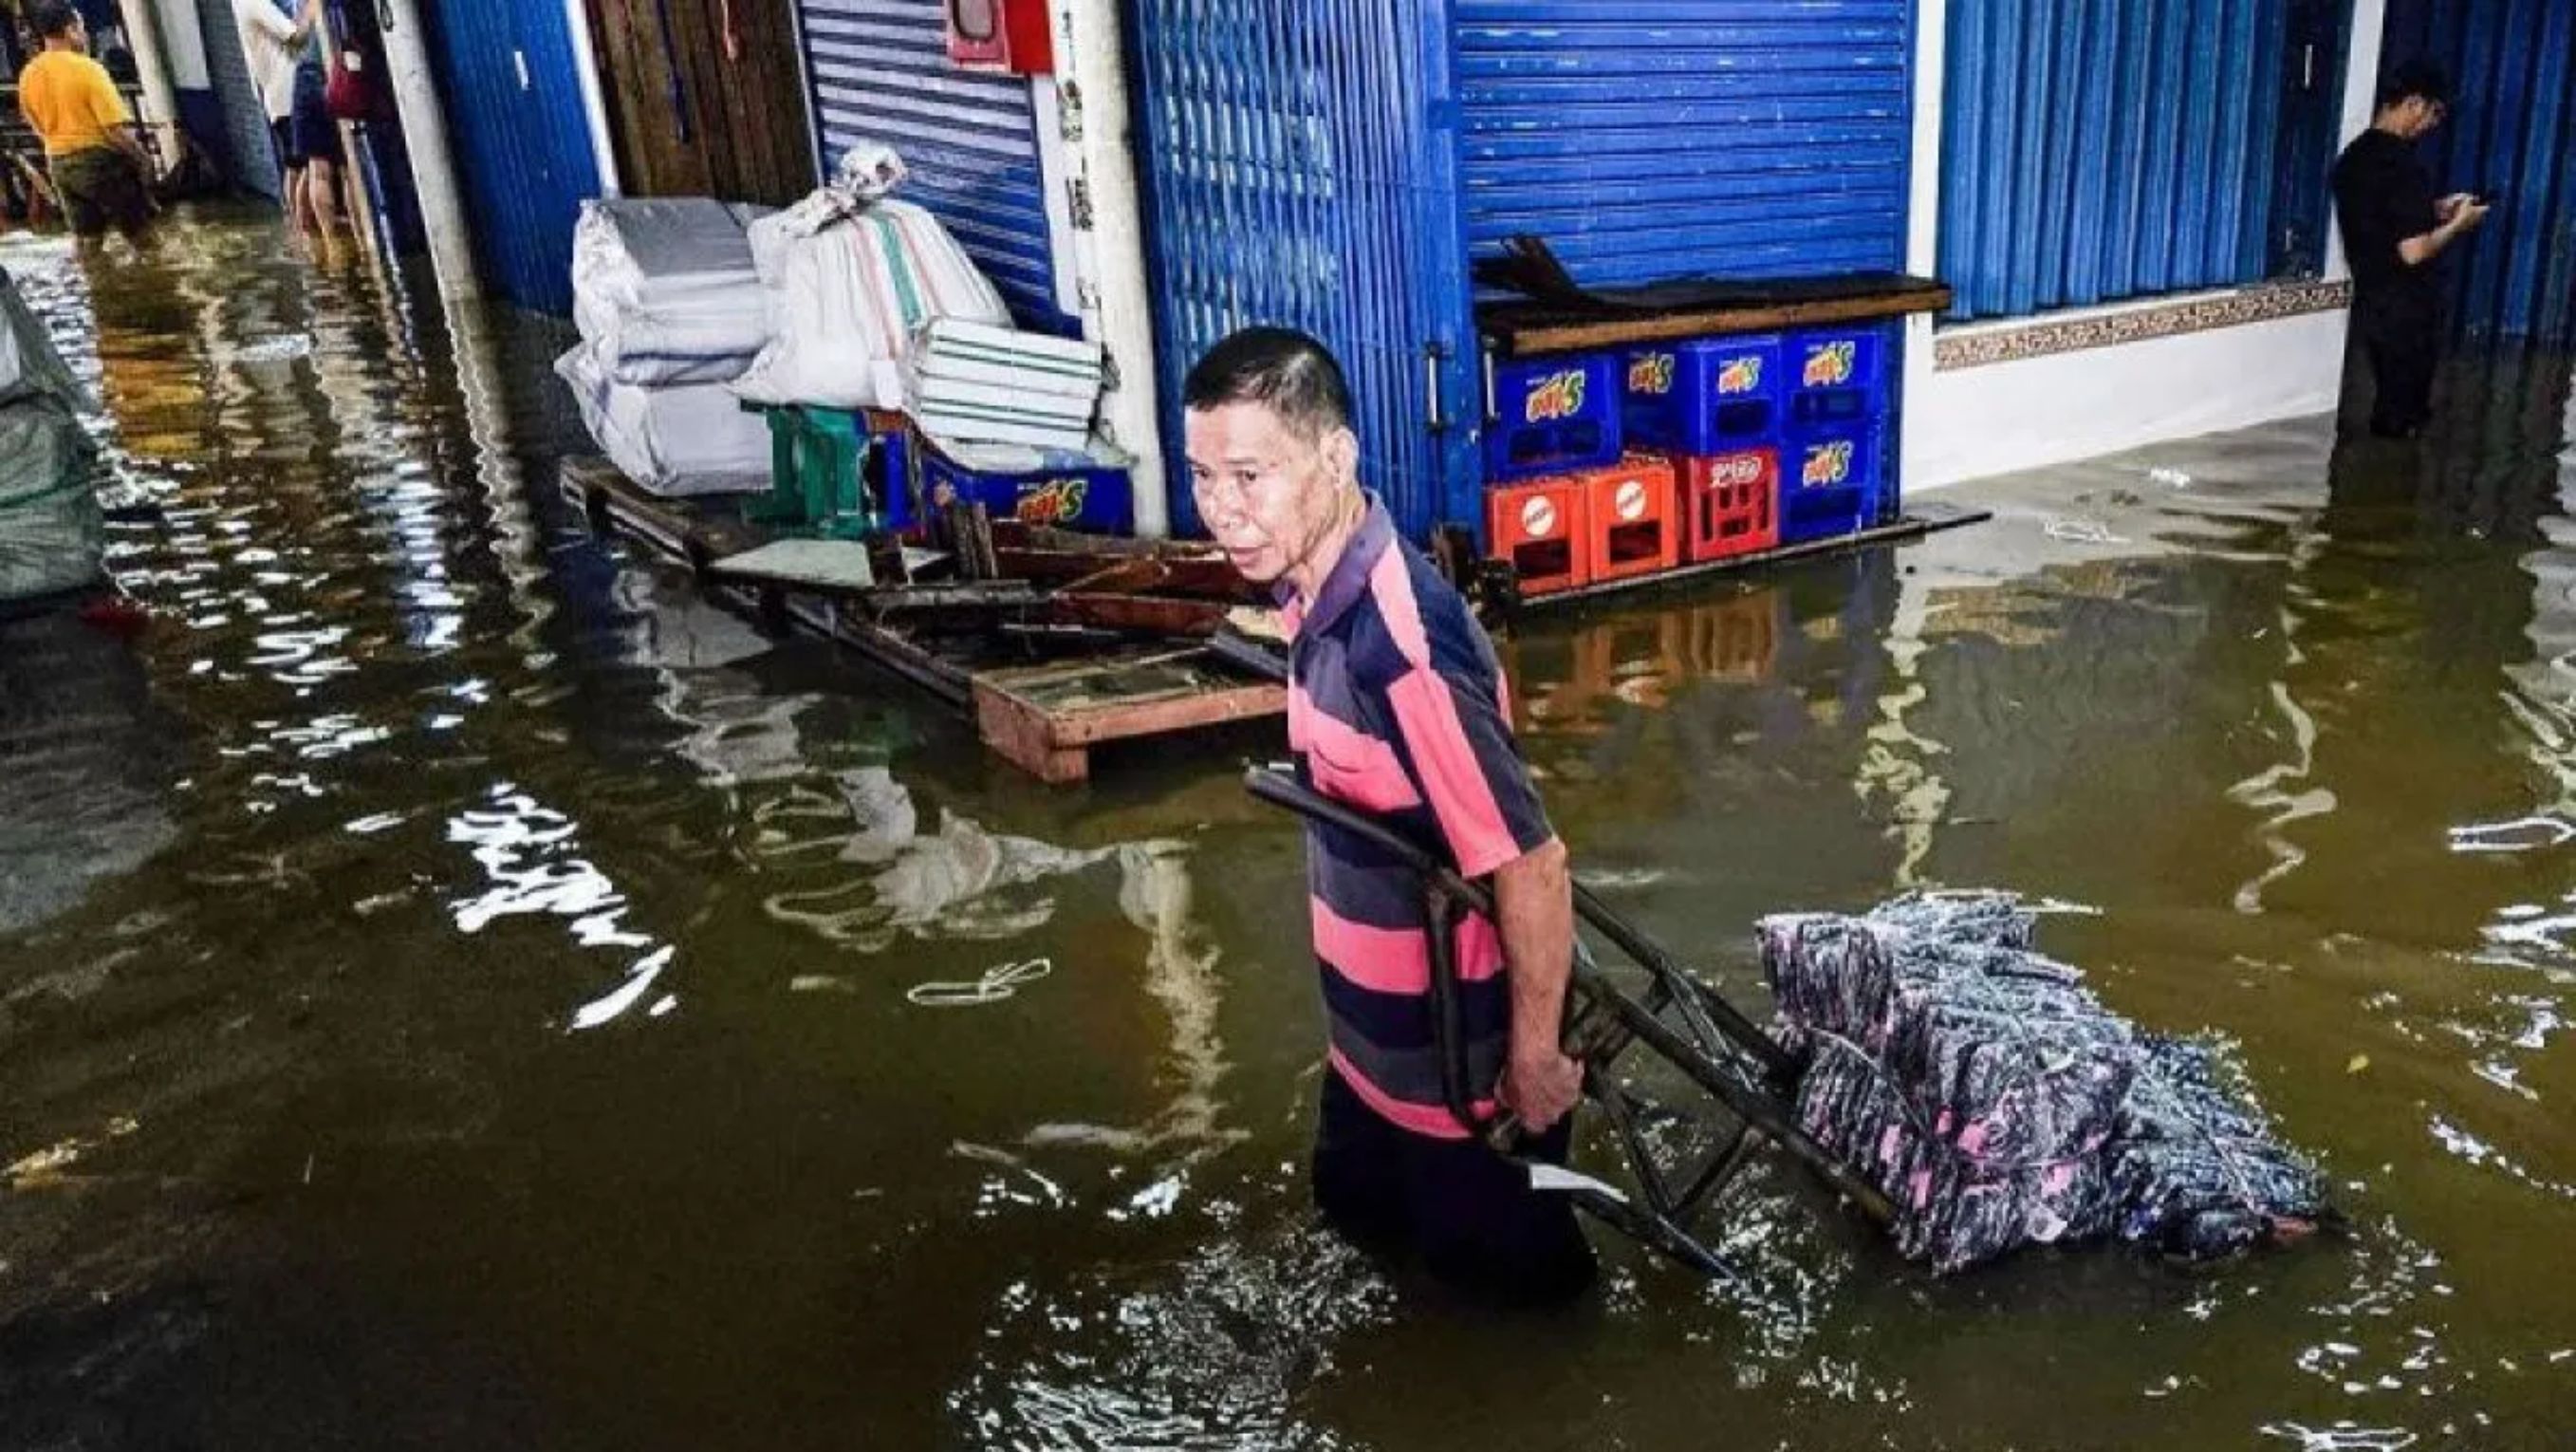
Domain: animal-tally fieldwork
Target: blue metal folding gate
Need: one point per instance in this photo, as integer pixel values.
(2103, 149)
(1302, 170)
(2512, 134)
(521, 137)
(881, 71)
(1744, 138)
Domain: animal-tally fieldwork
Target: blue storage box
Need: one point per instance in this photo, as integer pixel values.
(1838, 376)
(1079, 493)
(1553, 415)
(1704, 396)
(1831, 481)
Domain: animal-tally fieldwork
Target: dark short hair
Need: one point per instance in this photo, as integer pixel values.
(50, 18)
(2415, 79)
(1289, 372)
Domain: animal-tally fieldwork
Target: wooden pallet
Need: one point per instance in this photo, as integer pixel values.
(1043, 718)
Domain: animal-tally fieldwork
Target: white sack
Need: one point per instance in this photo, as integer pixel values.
(681, 440)
(665, 289)
(850, 277)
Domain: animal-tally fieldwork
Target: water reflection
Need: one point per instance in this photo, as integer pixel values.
(442, 780)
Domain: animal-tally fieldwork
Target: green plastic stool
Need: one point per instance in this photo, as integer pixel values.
(817, 485)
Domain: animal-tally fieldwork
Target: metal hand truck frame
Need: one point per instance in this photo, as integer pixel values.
(1676, 1018)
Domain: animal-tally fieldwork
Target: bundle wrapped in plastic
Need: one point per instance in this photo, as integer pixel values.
(851, 276)
(664, 289)
(2199, 1170)
(675, 440)
(1957, 1206)
(1998, 1103)
(52, 536)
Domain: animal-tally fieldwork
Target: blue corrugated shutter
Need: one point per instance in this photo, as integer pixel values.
(2512, 133)
(2101, 149)
(1301, 170)
(881, 72)
(521, 137)
(1744, 138)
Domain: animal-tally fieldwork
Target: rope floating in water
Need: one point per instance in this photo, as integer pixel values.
(996, 984)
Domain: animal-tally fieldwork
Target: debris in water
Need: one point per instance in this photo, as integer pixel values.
(997, 984)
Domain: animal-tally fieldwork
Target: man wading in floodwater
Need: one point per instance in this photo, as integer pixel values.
(1397, 707)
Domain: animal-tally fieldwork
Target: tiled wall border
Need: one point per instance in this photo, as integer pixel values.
(1975, 347)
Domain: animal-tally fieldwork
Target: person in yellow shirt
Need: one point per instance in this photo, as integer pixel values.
(101, 171)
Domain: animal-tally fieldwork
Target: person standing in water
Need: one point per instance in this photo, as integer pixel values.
(274, 42)
(2395, 232)
(101, 170)
(1397, 707)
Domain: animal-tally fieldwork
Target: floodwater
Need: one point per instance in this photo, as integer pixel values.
(457, 990)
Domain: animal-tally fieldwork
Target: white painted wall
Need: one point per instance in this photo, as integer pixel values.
(2360, 98)
(183, 45)
(1973, 422)
(1970, 423)
(1085, 123)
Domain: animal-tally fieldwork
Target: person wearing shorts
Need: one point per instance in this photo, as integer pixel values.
(317, 140)
(101, 171)
(273, 44)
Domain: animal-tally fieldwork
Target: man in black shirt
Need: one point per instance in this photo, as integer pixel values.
(2393, 230)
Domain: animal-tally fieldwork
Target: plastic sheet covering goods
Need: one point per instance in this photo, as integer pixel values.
(2000, 1104)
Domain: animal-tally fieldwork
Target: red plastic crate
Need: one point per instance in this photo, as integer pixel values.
(1634, 524)
(1539, 529)
(1732, 502)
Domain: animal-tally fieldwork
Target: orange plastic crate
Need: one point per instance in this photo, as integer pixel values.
(1539, 529)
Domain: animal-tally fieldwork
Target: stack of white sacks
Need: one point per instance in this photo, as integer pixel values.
(847, 300)
(671, 312)
(875, 305)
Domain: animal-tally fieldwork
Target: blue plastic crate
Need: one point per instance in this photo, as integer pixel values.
(1553, 415)
(1838, 376)
(1832, 479)
(1093, 497)
(1703, 396)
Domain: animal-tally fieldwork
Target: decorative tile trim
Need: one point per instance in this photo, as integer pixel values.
(1975, 347)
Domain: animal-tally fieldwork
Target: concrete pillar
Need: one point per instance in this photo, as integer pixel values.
(2360, 102)
(433, 170)
(1923, 222)
(1107, 226)
(594, 103)
(151, 62)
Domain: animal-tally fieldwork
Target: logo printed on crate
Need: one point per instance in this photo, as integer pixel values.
(1628, 501)
(1559, 395)
(1052, 501)
(1538, 517)
(1827, 464)
(1734, 471)
(1651, 373)
(1739, 375)
(1831, 365)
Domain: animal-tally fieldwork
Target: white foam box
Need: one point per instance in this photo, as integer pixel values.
(953, 351)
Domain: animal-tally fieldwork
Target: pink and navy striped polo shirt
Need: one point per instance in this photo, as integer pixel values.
(1397, 706)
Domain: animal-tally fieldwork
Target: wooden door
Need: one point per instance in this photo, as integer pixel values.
(705, 98)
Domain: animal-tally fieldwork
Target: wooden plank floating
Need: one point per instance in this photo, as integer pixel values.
(1044, 718)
